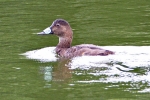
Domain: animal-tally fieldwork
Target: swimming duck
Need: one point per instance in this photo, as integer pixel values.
(62, 29)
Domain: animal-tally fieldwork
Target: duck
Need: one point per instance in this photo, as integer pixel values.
(62, 29)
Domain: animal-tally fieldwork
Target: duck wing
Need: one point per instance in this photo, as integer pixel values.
(91, 46)
(88, 50)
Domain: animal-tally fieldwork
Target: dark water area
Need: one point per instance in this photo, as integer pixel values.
(100, 22)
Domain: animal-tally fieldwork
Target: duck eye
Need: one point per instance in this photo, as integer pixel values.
(57, 24)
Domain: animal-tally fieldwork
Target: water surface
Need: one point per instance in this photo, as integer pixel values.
(106, 23)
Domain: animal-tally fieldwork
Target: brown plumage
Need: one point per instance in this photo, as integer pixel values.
(62, 29)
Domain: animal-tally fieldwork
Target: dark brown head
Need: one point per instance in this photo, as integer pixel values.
(59, 27)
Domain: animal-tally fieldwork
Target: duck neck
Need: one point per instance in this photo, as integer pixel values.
(64, 42)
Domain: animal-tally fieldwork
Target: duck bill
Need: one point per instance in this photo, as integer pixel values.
(46, 31)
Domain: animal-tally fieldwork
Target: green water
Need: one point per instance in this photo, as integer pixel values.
(100, 22)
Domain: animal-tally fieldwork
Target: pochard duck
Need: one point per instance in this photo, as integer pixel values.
(62, 29)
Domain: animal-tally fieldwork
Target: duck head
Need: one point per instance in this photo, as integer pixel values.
(62, 29)
(59, 27)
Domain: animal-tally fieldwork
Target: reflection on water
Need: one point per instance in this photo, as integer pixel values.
(58, 74)
(47, 73)
(62, 73)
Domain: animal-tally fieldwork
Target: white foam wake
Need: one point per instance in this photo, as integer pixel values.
(133, 56)
(46, 54)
